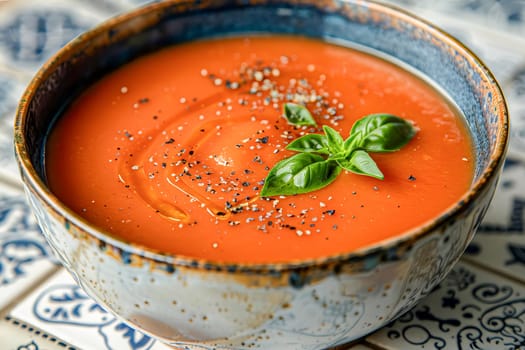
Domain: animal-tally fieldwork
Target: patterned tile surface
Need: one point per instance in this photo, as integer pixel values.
(479, 306)
(24, 255)
(470, 309)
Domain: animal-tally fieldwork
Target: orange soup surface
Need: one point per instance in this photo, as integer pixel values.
(171, 150)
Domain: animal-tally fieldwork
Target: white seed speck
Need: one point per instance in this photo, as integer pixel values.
(182, 100)
(204, 72)
(299, 233)
(123, 89)
(215, 245)
(259, 76)
(310, 68)
(322, 204)
(135, 167)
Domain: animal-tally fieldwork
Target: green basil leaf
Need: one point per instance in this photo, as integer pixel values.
(301, 173)
(383, 132)
(316, 143)
(335, 140)
(361, 163)
(298, 115)
(352, 142)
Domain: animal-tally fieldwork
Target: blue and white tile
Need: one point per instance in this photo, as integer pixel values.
(508, 15)
(515, 94)
(24, 255)
(60, 307)
(12, 85)
(119, 6)
(8, 167)
(31, 31)
(499, 243)
(470, 309)
(517, 131)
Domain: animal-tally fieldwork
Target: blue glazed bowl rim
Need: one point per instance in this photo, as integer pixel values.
(35, 183)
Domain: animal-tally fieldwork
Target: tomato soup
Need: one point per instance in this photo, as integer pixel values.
(171, 150)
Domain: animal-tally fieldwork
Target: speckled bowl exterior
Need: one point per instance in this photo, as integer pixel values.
(313, 304)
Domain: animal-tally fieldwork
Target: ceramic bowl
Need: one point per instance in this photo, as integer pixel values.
(310, 304)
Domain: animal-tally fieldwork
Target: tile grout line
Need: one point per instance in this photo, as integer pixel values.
(492, 270)
(372, 346)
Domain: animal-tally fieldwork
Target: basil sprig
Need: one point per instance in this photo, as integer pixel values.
(321, 157)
